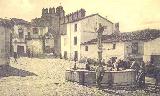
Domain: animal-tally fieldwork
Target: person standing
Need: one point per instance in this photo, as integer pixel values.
(135, 66)
(15, 57)
(99, 74)
(141, 74)
(87, 64)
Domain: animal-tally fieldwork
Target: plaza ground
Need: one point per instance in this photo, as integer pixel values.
(46, 77)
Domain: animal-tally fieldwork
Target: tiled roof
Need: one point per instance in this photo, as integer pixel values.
(39, 22)
(17, 21)
(143, 35)
(5, 22)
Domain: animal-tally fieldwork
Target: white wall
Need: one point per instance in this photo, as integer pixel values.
(16, 34)
(108, 50)
(151, 48)
(85, 32)
(19, 41)
(68, 39)
(88, 26)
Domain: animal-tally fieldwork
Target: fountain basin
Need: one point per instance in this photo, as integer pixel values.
(85, 77)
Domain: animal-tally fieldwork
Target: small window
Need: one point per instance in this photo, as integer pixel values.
(47, 47)
(86, 48)
(114, 46)
(29, 35)
(20, 32)
(75, 28)
(35, 30)
(75, 40)
(135, 48)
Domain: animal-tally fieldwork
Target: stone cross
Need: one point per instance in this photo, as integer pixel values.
(99, 42)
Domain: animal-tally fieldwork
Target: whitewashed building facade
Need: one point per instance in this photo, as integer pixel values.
(143, 45)
(20, 31)
(79, 31)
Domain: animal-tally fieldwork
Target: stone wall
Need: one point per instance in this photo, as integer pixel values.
(35, 46)
(4, 44)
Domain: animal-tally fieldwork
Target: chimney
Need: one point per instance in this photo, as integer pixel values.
(117, 27)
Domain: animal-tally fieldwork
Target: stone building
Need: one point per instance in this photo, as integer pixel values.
(51, 18)
(49, 43)
(35, 40)
(5, 30)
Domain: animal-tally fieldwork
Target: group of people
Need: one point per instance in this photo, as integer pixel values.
(137, 65)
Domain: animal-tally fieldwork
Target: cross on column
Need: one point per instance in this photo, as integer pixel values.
(99, 42)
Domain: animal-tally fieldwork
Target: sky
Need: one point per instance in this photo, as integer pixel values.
(131, 14)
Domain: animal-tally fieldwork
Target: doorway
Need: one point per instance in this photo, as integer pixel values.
(20, 50)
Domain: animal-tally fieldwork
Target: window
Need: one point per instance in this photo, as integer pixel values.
(29, 35)
(47, 47)
(75, 55)
(135, 48)
(86, 48)
(75, 28)
(75, 40)
(114, 46)
(20, 33)
(35, 30)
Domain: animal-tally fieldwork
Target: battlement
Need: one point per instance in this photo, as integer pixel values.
(59, 11)
(79, 14)
(52, 11)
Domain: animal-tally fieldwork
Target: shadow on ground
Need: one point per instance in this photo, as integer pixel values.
(6, 71)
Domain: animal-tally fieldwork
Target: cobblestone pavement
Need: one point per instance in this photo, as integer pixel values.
(45, 77)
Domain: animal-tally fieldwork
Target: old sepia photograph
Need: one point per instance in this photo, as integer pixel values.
(79, 48)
